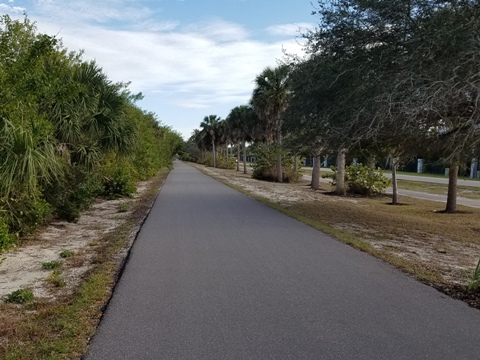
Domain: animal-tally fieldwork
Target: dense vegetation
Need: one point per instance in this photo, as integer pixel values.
(68, 134)
(383, 79)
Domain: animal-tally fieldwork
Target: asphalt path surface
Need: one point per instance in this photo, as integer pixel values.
(215, 274)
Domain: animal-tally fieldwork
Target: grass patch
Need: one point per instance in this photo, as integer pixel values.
(474, 281)
(21, 296)
(55, 264)
(61, 329)
(122, 208)
(55, 278)
(66, 254)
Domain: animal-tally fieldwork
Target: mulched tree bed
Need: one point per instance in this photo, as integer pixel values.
(460, 292)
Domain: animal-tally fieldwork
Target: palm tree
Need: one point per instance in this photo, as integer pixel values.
(90, 118)
(210, 126)
(26, 157)
(270, 99)
(242, 120)
(223, 137)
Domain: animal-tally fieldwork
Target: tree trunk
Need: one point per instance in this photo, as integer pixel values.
(316, 172)
(371, 165)
(340, 188)
(238, 156)
(394, 182)
(295, 167)
(279, 156)
(452, 188)
(214, 155)
(244, 157)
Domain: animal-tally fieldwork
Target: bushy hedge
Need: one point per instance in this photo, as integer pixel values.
(7, 239)
(118, 177)
(222, 162)
(23, 212)
(68, 134)
(73, 192)
(265, 165)
(362, 180)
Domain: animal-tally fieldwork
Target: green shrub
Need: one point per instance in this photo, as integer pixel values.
(118, 177)
(50, 265)
(265, 165)
(122, 208)
(119, 184)
(222, 162)
(73, 192)
(207, 160)
(475, 279)
(359, 179)
(66, 254)
(25, 212)
(7, 239)
(55, 278)
(21, 296)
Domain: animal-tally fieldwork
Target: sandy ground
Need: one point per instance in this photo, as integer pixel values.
(22, 268)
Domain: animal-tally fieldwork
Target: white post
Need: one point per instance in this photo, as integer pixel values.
(474, 168)
(420, 166)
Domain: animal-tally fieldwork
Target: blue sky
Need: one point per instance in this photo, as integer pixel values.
(190, 58)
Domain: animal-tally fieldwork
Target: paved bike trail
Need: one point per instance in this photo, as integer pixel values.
(215, 274)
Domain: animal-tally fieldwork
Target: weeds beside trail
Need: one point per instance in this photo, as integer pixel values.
(61, 329)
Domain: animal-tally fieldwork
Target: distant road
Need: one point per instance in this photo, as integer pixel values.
(427, 179)
(423, 195)
(437, 180)
(435, 197)
(215, 274)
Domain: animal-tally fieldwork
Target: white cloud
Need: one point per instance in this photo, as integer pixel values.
(290, 29)
(91, 10)
(183, 70)
(155, 26)
(219, 61)
(219, 30)
(8, 9)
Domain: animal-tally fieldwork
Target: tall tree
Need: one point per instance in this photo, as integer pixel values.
(210, 127)
(396, 69)
(270, 100)
(242, 121)
(431, 102)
